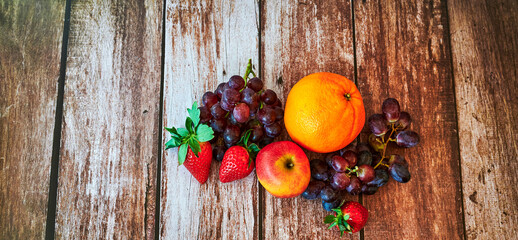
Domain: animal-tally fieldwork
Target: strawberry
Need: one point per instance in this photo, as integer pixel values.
(349, 217)
(238, 160)
(194, 151)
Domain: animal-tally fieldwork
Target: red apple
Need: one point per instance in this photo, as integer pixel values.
(283, 169)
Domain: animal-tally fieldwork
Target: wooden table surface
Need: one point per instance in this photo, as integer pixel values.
(86, 88)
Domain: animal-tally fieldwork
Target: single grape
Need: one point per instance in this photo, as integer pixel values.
(209, 99)
(226, 106)
(236, 82)
(377, 124)
(218, 112)
(313, 190)
(231, 96)
(266, 115)
(218, 125)
(362, 147)
(277, 103)
(369, 189)
(340, 181)
(241, 112)
(354, 187)
(247, 96)
(231, 134)
(350, 157)
(328, 194)
(233, 121)
(365, 173)
(255, 84)
(329, 206)
(329, 159)
(218, 152)
(319, 170)
(397, 159)
(350, 147)
(404, 121)
(279, 113)
(381, 178)
(399, 172)
(269, 97)
(391, 109)
(273, 130)
(220, 89)
(257, 134)
(407, 139)
(376, 143)
(339, 164)
(205, 115)
(364, 158)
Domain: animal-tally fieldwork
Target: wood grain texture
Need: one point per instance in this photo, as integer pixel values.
(403, 52)
(206, 43)
(300, 38)
(484, 36)
(30, 52)
(109, 143)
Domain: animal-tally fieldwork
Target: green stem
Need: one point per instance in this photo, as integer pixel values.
(385, 145)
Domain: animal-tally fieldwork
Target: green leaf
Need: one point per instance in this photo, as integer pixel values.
(329, 219)
(188, 125)
(174, 142)
(337, 210)
(173, 131)
(195, 146)
(183, 132)
(346, 217)
(332, 225)
(254, 148)
(194, 113)
(204, 133)
(182, 153)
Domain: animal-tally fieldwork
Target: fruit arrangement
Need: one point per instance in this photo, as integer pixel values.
(365, 167)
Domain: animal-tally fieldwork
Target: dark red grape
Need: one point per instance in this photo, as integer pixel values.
(377, 124)
(407, 139)
(219, 90)
(339, 181)
(391, 109)
(313, 190)
(404, 121)
(231, 96)
(279, 113)
(277, 103)
(350, 147)
(236, 82)
(266, 115)
(319, 170)
(255, 84)
(232, 134)
(273, 130)
(218, 125)
(365, 173)
(328, 194)
(399, 172)
(247, 95)
(218, 152)
(354, 187)
(209, 99)
(233, 121)
(339, 164)
(381, 178)
(269, 97)
(364, 158)
(241, 112)
(362, 147)
(397, 159)
(218, 112)
(226, 106)
(257, 133)
(350, 157)
(329, 206)
(205, 115)
(369, 189)
(376, 143)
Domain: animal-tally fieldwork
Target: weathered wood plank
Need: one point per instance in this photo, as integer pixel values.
(300, 38)
(403, 52)
(485, 61)
(109, 143)
(31, 33)
(206, 43)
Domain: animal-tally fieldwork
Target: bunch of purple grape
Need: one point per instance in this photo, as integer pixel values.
(362, 168)
(237, 106)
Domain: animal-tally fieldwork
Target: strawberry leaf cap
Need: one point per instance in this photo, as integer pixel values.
(340, 220)
(190, 136)
(252, 148)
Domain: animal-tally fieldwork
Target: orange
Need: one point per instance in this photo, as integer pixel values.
(324, 112)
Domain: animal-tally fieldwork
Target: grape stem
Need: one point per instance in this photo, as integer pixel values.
(385, 144)
(249, 70)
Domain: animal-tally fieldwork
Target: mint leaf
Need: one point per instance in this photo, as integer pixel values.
(194, 113)
(183, 132)
(329, 219)
(204, 133)
(182, 153)
(195, 146)
(174, 142)
(188, 125)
